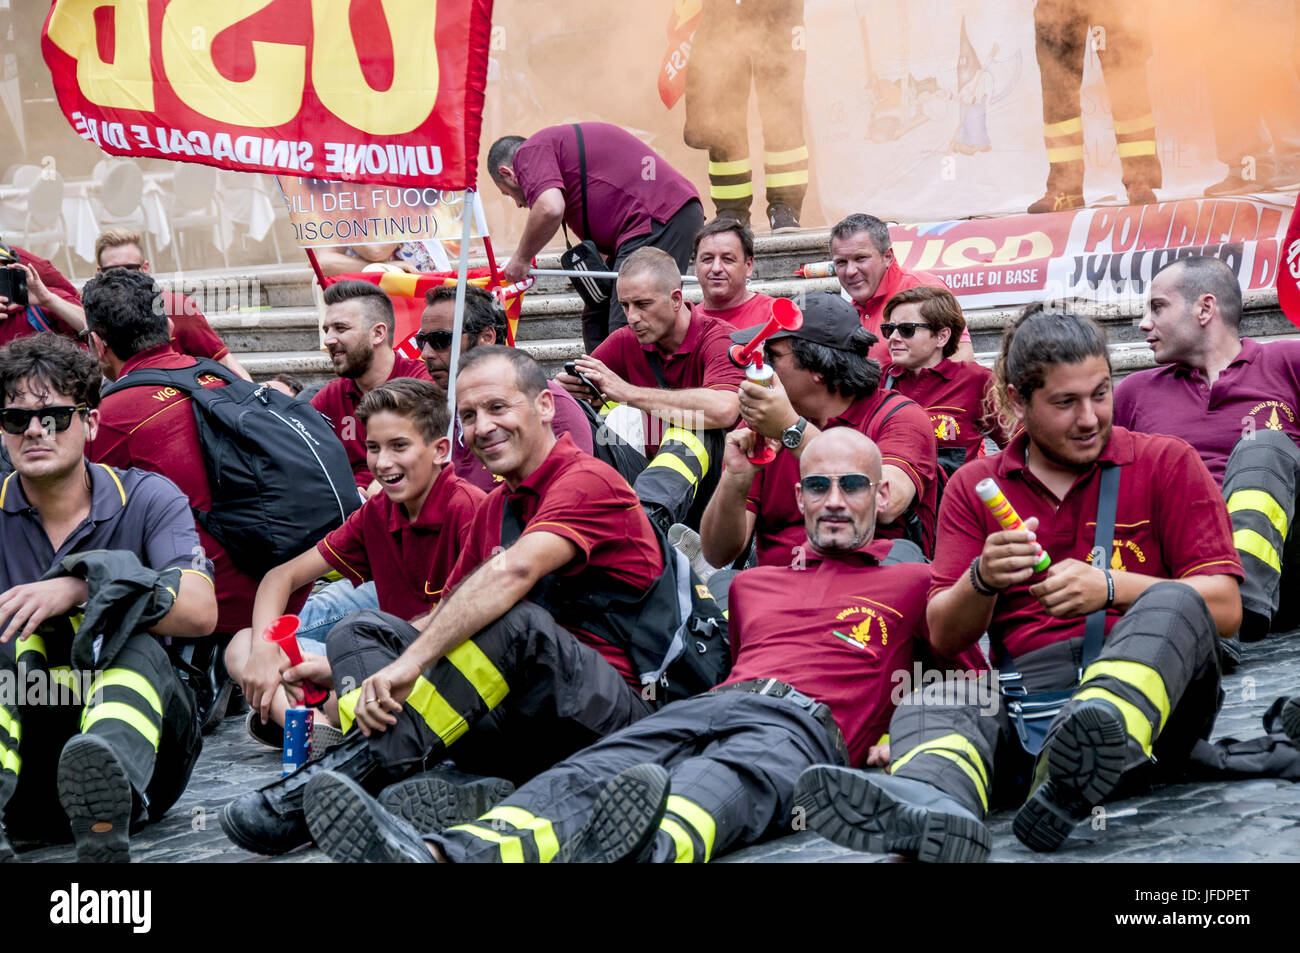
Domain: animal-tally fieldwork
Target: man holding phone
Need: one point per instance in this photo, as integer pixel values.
(34, 297)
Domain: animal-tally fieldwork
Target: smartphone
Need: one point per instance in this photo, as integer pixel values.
(13, 285)
(571, 369)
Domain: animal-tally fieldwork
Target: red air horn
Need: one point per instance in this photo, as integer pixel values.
(284, 633)
(786, 316)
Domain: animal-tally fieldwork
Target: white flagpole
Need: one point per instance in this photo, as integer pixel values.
(458, 322)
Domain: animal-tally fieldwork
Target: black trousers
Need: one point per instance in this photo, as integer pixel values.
(513, 700)
(734, 759)
(675, 236)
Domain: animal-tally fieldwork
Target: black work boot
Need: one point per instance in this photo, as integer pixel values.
(444, 797)
(1291, 719)
(270, 820)
(353, 828)
(97, 797)
(879, 813)
(625, 819)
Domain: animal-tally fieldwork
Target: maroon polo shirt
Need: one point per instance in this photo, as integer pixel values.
(745, 315)
(853, 626)
(702, 360)
(338, 401)
(408, 559)
(17, 326)
(1260, 388)
(894, 280)
(905, 440)
(629, 185)
(1171, 523)
(191, 333)
(953, 393)
(579, 498)
(153, 428)
(569, 418)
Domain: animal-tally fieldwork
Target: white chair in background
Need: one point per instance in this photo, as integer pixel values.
(247, 201)
(195, 205)
(42, 212)
(116, 197)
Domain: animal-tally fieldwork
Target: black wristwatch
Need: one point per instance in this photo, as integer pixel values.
(792, 436)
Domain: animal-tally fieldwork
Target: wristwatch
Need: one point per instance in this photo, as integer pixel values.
(792, 436)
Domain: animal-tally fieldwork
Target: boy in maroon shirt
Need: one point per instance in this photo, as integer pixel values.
(824, 379)
(1237, 402)
(359, 327)
(812, 682)
(921, 327)
(1153, 690)
(406, 539)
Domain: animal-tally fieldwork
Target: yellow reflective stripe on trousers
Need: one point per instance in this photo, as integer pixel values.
(62, 675)
(674, 463)
(126, 678)
(1065, 154)
(697, 818)
(512, 851)
(1139, 727)
(1260, 502)
(1142, 677)
(548, 845)
(445, 721)
(685, 846)
(781, 180)
(479, 671)
(1147, 147)
(348, 709)
(743, 191)
(1251, 542)
(33, 643)
(1063, 128)
(10, 760)
(1126, 127)
(120, 711)
(955, 742)
(12, 726)
(785, 158)
(735, 167)
(693, 443)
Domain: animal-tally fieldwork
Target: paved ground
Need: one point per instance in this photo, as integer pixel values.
(1209, 823)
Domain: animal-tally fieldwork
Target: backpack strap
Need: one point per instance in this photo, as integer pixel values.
(582, 177)
(656, 367)
(185, 379)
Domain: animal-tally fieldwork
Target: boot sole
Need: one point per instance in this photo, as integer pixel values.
(1291, 719)
(349, 826)
(1085, 760)
(626, 817)
(433, 804)
(849, 809)
(96, 795)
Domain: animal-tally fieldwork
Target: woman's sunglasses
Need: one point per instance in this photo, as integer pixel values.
(906, 330)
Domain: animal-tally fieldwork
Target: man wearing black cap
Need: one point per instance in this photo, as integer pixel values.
(823, 379)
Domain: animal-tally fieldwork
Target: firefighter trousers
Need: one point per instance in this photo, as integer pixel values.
(514, 699)
(1159, 668)
(1259, 486)
(733, 758)
(136, 704)
(681, 476)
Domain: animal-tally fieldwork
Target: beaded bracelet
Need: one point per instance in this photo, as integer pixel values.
(977, 582)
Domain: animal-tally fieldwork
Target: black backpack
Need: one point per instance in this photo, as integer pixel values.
(279, 478)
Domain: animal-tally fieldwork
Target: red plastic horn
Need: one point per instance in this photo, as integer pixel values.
(786, 316)
(284, 633)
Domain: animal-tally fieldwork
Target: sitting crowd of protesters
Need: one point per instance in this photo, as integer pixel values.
(648, 610)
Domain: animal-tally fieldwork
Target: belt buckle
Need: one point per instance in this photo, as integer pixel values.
(801, 700)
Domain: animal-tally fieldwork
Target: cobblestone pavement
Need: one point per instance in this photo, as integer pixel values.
(1236, 822)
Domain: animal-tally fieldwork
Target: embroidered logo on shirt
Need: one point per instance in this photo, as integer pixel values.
(865, 620)
(945, 427)
(1274, 422)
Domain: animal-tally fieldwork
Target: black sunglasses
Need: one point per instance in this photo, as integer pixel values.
(851, 484)
(906, 330)
(16, 420)
(435, 340)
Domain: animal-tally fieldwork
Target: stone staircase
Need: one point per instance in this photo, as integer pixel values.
(269, 317)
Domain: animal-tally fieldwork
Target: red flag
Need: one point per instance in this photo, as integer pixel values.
(681, 29)
(1288, 292)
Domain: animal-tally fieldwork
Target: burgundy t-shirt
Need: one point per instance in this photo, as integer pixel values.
(745, 315)
(953, 393)
(1260, 389)
(191, 333)
(569, 418)
(1171, 523)
(408, 559)
(894, 280)
(841, 641)
(629, 185)
(338, 401)
(702, 360)
(581, 499)
(905, 440)
(17, 325)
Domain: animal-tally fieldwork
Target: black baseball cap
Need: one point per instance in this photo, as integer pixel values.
(827, 319)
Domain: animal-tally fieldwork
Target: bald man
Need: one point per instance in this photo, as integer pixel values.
(809, 685)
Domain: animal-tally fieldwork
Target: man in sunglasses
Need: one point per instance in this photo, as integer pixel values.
(824, 379)
(812, 682)
(484, 324)
(359, 325)
(112, 735)
(191, 333)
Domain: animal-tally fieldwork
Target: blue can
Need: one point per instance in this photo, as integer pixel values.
(297, 738)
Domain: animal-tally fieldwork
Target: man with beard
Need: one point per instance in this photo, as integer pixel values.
(358, 329)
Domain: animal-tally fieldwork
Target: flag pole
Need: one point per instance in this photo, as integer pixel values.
(458, 322)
